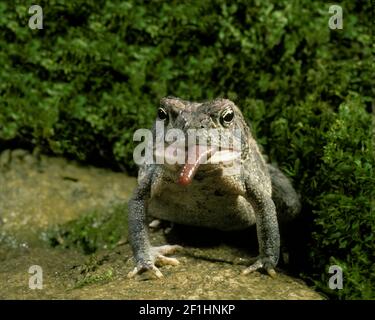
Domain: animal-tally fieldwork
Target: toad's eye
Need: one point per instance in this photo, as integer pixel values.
(227, 117)
(162, 114)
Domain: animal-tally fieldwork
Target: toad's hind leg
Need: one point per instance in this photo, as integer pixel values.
(286, 199)
(288, 207)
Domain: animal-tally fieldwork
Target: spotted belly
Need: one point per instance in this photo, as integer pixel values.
(196, 206)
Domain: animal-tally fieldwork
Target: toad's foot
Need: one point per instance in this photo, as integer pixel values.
(158, 259)
(262, 263)
(155, 224)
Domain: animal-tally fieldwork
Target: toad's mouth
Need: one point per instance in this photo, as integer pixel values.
(197, 155)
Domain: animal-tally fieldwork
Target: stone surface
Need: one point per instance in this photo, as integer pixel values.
(36, 195)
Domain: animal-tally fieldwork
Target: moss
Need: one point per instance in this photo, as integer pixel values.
(90, 273)
(92, 231)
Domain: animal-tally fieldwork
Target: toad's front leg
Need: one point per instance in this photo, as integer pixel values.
(147, 258)
(157, 258)
(267, 229)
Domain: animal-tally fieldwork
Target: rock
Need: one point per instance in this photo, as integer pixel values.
(19, 154)
(5, 157)
(31, 202)
(30, 160)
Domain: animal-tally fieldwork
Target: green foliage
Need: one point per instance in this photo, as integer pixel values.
(331, 162)
(345, 220)
(92, 231)
(94, 74)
